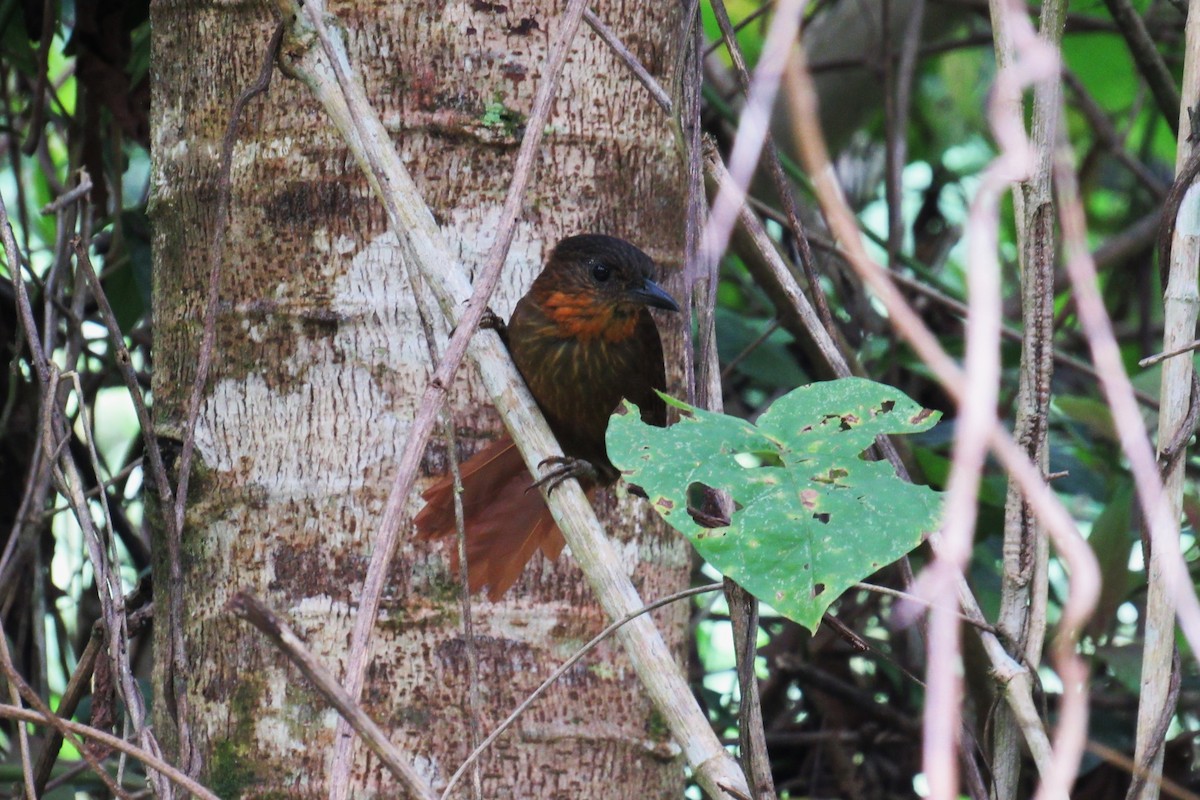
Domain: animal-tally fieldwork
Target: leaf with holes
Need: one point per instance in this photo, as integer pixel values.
(811, 517)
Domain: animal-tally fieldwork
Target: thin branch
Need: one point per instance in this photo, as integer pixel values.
(783, 188)
(753, 126)
(66, 198)
(1149, 61)
(151, 760)
(1080, 561)
(248, 607)
(423, 247)
(1158, 358)
(909, 597)
(361, 120)
(19, 688)
(562, 670)
(125, 367)
(1170, 592)
(1120, 760)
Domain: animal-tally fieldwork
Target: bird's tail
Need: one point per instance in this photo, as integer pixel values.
(504, 519)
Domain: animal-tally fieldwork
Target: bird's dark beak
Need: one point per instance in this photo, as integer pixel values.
(653, 295)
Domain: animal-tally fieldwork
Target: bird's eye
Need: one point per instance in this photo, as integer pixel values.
(601, 272)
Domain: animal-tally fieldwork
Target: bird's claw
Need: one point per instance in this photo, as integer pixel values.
(564, 468)
(492, 321)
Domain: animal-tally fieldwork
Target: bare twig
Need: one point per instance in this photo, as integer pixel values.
(467, 324)
(248, 607)
(1149, 61)
(753, 126)
(19, 688)
(1158, 358)
(14, 681)
(562, 670)
(783, 188)
(1080, 561)
(151, 760)
(125, 367)
(909, 597)
(1024, 579)
(1170, 593)
(898, 92)
(66, 198)
(423, 248)
(1118, 759)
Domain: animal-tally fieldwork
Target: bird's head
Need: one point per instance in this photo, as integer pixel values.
(595, 286)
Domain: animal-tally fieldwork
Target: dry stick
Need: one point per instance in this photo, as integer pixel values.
(108, 584)
(1075, 552)
(423, 248)
(782, 187)
(24, 309)
(1157, 734)
(1026, 552)
(1160, 510)
(1124, 762)
(66, 198)
(125, 367)
(976, 417)
(908, 597)
(474, 701)
(77, 687)
(1158, 358)
(1106, 134)
(1013, 678)
(394, 517)
(18, 687)
(753, 126)
(175, 679)
(562, 670)
(14, 681)
(1179, 255)
(1149, 62)
(743, 606)
(151, 760)
(758, 342)
(248, 607)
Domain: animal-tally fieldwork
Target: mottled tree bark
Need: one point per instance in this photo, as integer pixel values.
(319, 363)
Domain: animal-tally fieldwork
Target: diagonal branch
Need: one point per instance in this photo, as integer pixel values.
(250, 608)
(326, 72)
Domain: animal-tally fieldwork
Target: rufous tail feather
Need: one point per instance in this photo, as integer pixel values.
(505, 521)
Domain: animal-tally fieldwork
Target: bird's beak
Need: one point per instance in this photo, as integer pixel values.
(653, 295)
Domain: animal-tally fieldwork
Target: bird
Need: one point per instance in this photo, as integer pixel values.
(583, 339)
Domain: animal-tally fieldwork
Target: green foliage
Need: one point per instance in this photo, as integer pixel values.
(811, 517)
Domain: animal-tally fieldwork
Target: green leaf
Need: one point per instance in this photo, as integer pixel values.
(811, 517)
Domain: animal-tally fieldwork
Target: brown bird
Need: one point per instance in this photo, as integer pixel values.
(583, 339)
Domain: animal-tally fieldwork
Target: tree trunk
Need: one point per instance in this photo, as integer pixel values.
(320, 361)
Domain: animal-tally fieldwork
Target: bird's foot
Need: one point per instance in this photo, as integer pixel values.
(564, 468)
(493, 321)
